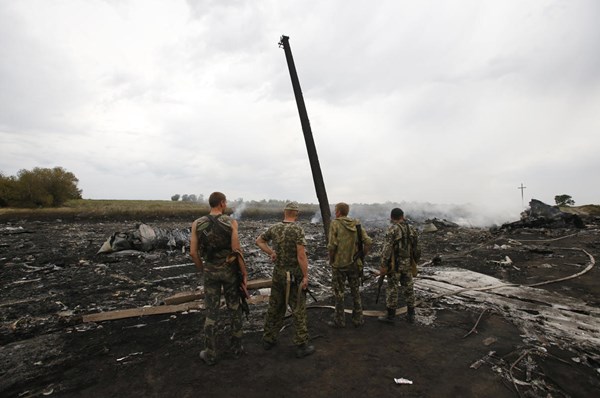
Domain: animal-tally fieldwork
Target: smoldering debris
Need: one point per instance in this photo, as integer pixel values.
(147, 238)
(540, 214)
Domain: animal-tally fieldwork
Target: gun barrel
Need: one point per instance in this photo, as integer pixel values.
(379, 285)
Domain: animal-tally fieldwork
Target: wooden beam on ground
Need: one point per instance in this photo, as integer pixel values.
(261, 298)
(133, 312)
(184, 297)
(259, 283)
(157, 310)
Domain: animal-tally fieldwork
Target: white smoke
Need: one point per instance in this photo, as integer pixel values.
(239, 209)
(316, 218)
(463, 215)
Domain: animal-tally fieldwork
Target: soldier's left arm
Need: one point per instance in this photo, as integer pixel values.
(235, 239)
(195, 248)
(386, 252)
(262, 243)
(367, 241)
(303, 261)
(332, 244)
(236, 247)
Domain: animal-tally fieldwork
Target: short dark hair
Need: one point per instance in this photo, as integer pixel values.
(216, 198)
(397, 213)
(343, 208)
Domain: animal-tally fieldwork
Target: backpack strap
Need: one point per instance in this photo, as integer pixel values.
(215, 228)
(361, 249)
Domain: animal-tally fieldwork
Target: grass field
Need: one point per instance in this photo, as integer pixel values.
(90, 209)
(84, 209)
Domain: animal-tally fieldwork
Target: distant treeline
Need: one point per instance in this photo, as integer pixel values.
(39, 187)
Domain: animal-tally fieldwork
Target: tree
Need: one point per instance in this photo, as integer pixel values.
(185, 197)
(40, 187)
(6, 189)
(564, 200)
(192, 197)
(175, 197)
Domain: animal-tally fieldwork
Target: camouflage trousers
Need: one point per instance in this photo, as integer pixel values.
(214, 278)
(277, 309)
(402, 277)
(339, 278)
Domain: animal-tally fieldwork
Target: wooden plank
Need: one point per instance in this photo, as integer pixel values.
(182, 301)
(157, 310)
(261, 298)
(259, 283)
(133, 312)
(184, 297)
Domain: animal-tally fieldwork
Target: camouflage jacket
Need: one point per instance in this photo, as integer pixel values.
(284, 237)
(395, 242)
(343, 241)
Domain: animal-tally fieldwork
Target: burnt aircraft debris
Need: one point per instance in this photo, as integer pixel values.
(540, 214)
(146, 238)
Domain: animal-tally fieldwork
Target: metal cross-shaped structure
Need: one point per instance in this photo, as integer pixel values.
(522, 188)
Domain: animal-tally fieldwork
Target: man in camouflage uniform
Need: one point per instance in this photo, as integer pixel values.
(395, 264)
(344, 258)
(213, 238)
(290, 280)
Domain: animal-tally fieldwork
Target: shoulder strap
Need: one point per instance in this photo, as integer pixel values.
(359, 236)
(360, 253)
(214, 221)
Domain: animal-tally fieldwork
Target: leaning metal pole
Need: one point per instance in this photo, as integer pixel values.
(308, 138)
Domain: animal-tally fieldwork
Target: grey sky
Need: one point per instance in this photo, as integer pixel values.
(426, 101)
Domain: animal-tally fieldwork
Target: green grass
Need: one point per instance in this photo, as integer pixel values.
(107, 209)
(90, 209)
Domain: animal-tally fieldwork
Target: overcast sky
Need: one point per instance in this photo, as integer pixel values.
(446, 102)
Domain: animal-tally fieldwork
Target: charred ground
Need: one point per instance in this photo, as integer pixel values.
(52, 276)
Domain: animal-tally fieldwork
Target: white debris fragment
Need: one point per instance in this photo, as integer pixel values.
(403, 381)
(477, 364)
(130, 355)
(506, 261)
(139, 325)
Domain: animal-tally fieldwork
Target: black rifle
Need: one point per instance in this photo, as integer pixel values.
(379, 284)
(236, 260)
(390, 267)
(294, 282)
(243, 294)
(360, 254)
(311, 294)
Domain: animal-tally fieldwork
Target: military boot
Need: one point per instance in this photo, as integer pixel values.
(410, 315)
(389, 318)
(304, 350)
(237, 349)
(210, 361)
